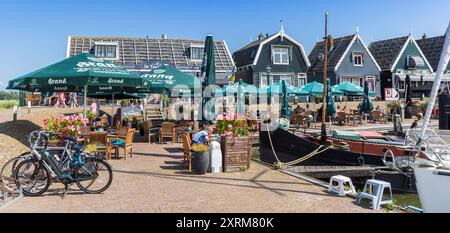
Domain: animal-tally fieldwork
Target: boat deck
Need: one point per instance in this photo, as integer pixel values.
(329, 171)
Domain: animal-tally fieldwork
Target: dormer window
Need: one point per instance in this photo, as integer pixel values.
(414, 61)
(358, 58)
(196, 52)
(107, 50)
(280, 55)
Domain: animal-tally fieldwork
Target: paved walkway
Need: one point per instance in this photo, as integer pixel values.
(155, 180)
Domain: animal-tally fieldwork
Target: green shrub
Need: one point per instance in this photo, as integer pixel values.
(8, 103)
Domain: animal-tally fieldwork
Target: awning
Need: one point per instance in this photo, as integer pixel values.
(415, 61)
(420, 77)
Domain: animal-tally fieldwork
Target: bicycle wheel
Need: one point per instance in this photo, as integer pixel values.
(10, 166)
(94, 176)
(32, 177)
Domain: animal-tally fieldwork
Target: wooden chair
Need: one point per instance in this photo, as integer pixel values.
(83, 134)
(342, 118)
(180, 132)
(167, 131)
(150, 131)
(377, 116)
(187, 153)
(116, 122)
(100, 141)
(356, 119)
(126, 143)
(122, 131)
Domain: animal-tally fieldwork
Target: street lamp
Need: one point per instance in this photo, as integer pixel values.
(268, 70)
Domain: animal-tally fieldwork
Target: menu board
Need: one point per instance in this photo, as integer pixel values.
(130, 111)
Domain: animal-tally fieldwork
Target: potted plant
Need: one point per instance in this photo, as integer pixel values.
(128, 121)
(67, 126)
(90, 115)
(394, 107)
(234, 139)
(140, 126)
(200, 158)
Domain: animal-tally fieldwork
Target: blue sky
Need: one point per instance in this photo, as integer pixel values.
(34, 33)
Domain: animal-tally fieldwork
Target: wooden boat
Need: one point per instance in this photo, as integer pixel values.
(289, 147)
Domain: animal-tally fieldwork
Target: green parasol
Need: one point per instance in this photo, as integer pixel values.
(285, 109)
(331, 109)
(166, 77)
(366, 106)
(240, 99)
(77, 73)
(209, 70)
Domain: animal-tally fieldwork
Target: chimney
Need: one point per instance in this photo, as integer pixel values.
(424, 36)
(260, 37)
(164, 36)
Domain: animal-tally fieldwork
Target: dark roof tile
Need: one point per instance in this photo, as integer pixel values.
(432, 49)
(386, 51)
(337, 51)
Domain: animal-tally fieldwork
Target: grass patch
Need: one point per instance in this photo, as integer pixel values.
(8, 103)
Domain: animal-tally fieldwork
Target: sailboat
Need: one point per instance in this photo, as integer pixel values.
(432, 165)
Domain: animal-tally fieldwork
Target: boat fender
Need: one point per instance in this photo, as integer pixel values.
(361, 161)
(441, 172)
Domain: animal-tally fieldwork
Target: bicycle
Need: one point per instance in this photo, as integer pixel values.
(35, 175)
(34, 141)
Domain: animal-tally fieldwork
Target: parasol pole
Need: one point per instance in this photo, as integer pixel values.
(84, 99)
(112, 111)
(325, 69)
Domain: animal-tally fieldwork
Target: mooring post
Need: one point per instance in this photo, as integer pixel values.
(15, 113)
(29, 106)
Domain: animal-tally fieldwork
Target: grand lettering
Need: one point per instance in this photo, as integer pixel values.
(56, 81)
(111, 80)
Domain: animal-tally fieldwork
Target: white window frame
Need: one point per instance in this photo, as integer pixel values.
(196, 47)
(374, 82)
(287, 79)
(361, 59)
(261, 78)
(103, 43)
(280, 54)
(303, 78)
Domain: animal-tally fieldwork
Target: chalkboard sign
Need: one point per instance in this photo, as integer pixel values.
(130, 111)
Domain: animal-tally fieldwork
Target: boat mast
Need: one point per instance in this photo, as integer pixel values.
(325, 70)
(445, 56)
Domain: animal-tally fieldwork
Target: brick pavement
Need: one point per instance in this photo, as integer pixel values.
(155, 180)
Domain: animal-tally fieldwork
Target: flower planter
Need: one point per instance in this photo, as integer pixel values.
(200, 162)
(235, 153)
(56, 143)
(408, 112)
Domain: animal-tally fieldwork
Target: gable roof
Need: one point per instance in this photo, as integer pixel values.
(135, 51)
(432, 49)
(249, 54)
(339, 48)
(387, 51)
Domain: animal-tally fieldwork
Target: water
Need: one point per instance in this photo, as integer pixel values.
(405, 199)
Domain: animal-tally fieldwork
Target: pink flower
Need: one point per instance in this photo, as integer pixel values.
(228, 133)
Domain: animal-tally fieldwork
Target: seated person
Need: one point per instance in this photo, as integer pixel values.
(298, 109)
(201, 137)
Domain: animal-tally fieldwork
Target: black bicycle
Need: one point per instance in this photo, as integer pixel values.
(91, 174)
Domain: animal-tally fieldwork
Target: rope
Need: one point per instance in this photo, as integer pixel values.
(279, 164)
